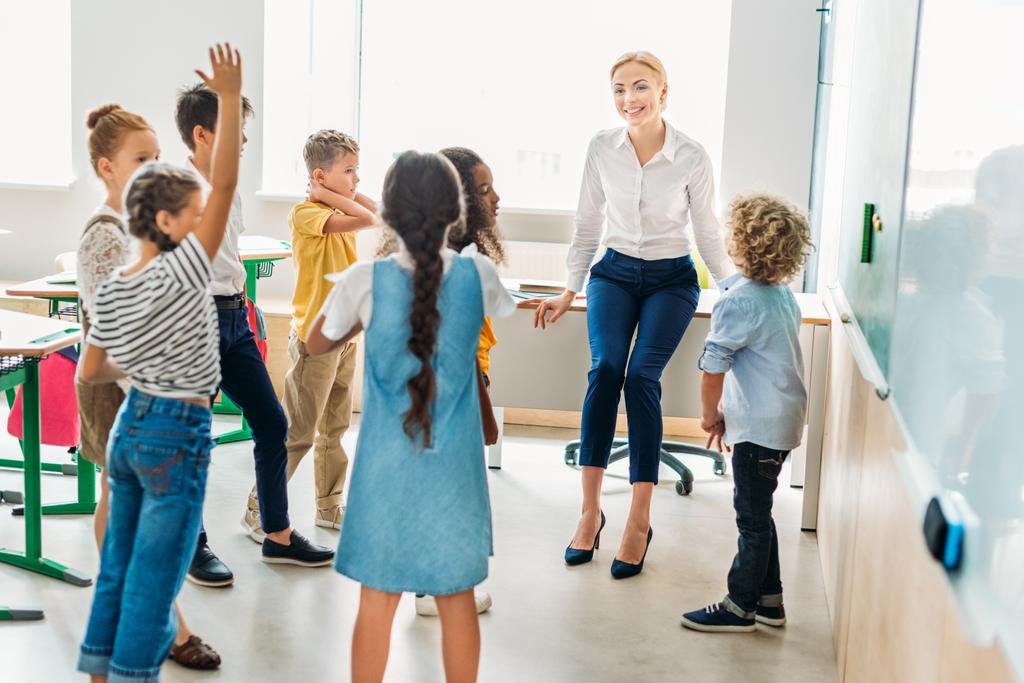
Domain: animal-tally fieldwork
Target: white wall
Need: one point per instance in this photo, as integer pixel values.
(769, 108)
(138, 54)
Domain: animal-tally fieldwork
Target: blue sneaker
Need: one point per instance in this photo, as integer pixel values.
(771, 616)
(715, 618)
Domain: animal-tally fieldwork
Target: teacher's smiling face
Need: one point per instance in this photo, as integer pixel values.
(639, 93)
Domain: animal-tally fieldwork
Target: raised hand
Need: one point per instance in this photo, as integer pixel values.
(315, 192)
(226, 64)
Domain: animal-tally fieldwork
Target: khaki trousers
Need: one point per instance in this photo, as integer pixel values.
(318, 404)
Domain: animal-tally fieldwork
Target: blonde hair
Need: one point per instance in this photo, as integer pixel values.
(648, 60)
(770, 236)
(325, 146)
(108, 126)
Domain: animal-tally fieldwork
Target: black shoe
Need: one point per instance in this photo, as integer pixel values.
(624, 570)
(772, 616)
(574, 557)
(300, 552)
(207, 569)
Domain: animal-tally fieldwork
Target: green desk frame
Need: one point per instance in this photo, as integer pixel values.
(80, 467)
(17, 370)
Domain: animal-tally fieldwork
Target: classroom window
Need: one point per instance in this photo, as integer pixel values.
(501, 79)
(35, 119)
(310, 81)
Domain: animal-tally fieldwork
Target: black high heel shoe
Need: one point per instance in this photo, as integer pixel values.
(574, 557)
(624, 570)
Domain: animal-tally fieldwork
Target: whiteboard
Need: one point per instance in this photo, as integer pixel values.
(957, 351)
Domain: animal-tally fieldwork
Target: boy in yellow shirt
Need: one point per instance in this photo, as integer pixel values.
(318, 389)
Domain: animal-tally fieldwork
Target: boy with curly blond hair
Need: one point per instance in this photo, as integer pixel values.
(753, 398)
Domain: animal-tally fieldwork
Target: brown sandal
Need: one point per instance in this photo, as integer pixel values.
(195, 654)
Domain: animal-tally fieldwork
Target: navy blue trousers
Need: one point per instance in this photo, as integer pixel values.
(656, 301)
(245, 380)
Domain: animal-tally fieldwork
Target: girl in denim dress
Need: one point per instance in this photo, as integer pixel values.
(418, 517)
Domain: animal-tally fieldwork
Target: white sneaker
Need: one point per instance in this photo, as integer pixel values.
(426, 605)
(251, 524)
(330, 519)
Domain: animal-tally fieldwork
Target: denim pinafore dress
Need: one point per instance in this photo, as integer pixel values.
(419, 519)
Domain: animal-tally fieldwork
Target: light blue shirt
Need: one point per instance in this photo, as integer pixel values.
(754, 339)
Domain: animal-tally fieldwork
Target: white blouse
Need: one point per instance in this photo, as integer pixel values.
(103, 248)
(351, 300)
(648, 209)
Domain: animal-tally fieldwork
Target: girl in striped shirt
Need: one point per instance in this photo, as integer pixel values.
(154, 323)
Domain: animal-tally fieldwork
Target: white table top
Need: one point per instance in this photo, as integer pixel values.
(812, 310)
(22, 334)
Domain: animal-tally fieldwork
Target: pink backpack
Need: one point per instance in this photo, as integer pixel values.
(58, 405)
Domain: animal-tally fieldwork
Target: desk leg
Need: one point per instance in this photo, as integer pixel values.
(86, 503)
(815, 427)
(32, 558)
(494, 452)
(11, 614)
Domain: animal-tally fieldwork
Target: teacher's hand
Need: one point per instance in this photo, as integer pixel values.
(556, 305)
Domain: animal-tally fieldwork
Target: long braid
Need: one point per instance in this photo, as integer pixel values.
(421, 199)
(424, 320)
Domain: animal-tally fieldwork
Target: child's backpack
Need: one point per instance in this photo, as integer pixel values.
(58, 405)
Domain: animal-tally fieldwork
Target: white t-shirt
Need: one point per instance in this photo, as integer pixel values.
(351, 300)
(228, 271)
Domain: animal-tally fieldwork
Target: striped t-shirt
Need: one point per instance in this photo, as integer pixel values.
(160, 324)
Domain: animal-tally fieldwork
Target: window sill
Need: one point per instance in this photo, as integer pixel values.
(58, 186)
(284, 197)
(281, 197)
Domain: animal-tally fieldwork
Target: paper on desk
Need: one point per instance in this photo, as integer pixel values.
(260, 243)
(69, 277)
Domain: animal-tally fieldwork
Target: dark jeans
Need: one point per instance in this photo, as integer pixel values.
(245, 380)
(655, 299)
(157, 463)
(755, 570)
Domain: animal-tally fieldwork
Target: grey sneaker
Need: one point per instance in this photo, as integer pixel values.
(330, 518)
(252, 525)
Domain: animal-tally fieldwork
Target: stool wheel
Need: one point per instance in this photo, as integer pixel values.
(571, 451)
(720, 469)
(683, 488)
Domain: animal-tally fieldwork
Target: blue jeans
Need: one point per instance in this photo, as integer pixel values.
(245, 381)
(755, 570)
(157, 461)
(655, 299)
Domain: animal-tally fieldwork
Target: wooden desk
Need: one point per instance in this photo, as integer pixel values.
(41, 289)
(547, 370)
(24, 340)
(83, 469)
